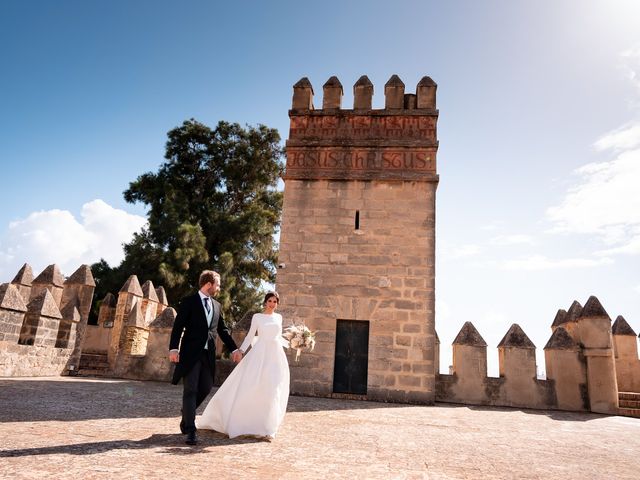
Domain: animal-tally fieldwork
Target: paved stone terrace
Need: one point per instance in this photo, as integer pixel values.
(62, 427)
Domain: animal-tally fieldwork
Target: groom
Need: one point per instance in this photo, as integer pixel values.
(197, 321)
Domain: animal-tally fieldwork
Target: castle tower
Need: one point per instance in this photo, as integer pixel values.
(78, 291)
(357, 245)
(625, 347)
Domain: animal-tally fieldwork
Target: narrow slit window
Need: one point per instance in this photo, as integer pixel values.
(357, 219)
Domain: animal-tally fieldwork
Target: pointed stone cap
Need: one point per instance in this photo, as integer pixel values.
(109, 300)
(437, 338)
(561, 317)
(332, 93)
(593, 308)
(148, 291)
(10, 298)
(132, 285)
(82, 276)
(621, 327)
(70, 311)
(362, 93)
(515, 337)
(561, 340)
(162, 296)
(165, 319)
(469, 336)
(44, 305)
(135, 317)
(50, 276)
(574, 312)
(302, 95)
(24, 276)
(394, 93)
(427, 82)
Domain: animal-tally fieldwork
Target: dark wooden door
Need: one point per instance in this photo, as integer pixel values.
(352, 357)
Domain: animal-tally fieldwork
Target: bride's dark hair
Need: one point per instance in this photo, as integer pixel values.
(271, 294)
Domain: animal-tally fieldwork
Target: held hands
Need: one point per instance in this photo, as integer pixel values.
(174, 356)
(236, 356)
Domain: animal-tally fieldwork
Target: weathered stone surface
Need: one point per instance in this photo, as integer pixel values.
(302, 95)
(44, 305)
(149, 292)
(132, 286)
(50, 276)
(109, 300)
(621, 327)
(24, 276)
(10, 298)
(363, 93)
(332, 93)
(468, 335)
(162, 296)
(394, 93)
(560, 340)
(82, 276)
(136, 317)
(574, 312)
(165, 320)
(560, 318)
(515, 337)
(70, 311)
(593, 308)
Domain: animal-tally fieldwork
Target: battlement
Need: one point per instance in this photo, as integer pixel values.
(398, 142)
(588, 362)
(422, 102)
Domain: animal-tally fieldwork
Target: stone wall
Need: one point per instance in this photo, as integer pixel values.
(357, 240)
(42, 321)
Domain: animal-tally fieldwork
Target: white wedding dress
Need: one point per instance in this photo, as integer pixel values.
(253, 398)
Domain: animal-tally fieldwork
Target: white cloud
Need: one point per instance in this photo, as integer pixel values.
(624, 138)
(463, 251)
(56, 236)
(540, 262)
(516, 239)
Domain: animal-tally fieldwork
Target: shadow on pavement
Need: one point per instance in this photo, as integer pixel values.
(174, 445)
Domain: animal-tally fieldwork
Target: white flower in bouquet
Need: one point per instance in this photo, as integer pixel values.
(299, 337)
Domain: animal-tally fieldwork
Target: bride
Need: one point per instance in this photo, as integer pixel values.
(253, 398)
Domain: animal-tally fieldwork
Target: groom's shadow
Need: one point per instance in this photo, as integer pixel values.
(172, 444)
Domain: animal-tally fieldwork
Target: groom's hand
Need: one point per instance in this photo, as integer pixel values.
(174, 356)
(236, 356)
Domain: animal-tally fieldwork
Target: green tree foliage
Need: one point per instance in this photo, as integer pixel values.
(213, 204)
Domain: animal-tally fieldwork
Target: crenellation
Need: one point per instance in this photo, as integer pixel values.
(332, 94)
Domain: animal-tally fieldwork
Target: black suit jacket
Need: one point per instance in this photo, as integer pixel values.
(191, 325)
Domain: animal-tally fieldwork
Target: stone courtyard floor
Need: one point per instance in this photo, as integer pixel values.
(62, 427)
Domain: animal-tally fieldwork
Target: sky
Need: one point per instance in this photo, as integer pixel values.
(539, 128)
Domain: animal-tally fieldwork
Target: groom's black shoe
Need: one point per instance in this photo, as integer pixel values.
(182, 430)
(192, 438)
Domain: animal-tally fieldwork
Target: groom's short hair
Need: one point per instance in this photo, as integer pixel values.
(208, 276)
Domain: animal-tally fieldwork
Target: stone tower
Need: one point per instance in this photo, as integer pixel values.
(357, 245)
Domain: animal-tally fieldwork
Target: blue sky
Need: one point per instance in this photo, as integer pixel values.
(539, 130)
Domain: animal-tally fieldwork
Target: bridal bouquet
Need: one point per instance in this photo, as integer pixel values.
(299, 337)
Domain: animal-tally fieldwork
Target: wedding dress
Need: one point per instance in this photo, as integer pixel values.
(253, 398)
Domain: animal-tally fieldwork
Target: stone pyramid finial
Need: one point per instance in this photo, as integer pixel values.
(593, 308)
(45, 305)
(426, 93)
(24, 276)
(332, 93)
(135, 317)
(148, 291)
(10, 298)
(82, 276)
(109, 300)
(561, 317)
(560, 340)
(515, 337)
(362, 93)
(394, 93)
(437, 337)
(621, 327)
(70, 310)
(302, 95)
(468, 335)
(50, 276)
(165, 319)
(162, 296)
(132, 285)
(574, 312)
